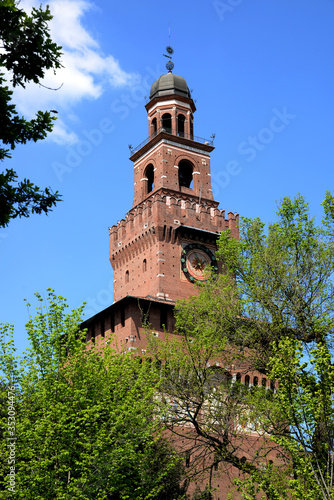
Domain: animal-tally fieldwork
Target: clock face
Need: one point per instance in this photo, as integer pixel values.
(194, 259)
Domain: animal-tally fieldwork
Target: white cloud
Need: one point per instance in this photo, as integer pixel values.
(87, 72)
(61, 134)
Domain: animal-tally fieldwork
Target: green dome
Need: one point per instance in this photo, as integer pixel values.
(168, 85)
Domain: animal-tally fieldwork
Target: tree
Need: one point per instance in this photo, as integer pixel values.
(284, 279)
(84, 424)
(27, 53)
(272, 307)
(207, 412)
(305, 397)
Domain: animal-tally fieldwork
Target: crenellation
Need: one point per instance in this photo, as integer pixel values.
(130, 223)
(172, 208)
(140, 214)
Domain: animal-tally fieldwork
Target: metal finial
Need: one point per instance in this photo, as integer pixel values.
(170, 51)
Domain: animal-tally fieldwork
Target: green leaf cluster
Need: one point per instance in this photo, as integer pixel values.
(27, 53)
(283, 275)
(84, 423)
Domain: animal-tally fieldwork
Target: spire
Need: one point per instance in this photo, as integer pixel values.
(170, 51)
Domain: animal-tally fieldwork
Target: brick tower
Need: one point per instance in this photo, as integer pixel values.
(168, 237)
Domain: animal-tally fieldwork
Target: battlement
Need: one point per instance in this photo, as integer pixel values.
(167, 208)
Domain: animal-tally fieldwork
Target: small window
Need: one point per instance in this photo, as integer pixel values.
(127, 277)
(187, 454)
(238, 377)
(264, 382)
(154, 125)
(122, 316)
(255, 381)
(247, 380)
(144, 265)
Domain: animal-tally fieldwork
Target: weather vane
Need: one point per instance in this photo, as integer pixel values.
(170, 51)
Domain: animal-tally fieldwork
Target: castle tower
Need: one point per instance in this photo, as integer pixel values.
(169, 236)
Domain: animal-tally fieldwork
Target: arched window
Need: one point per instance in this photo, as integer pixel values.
(191, 129)
(185, 174)
(144, 265)
(247, 380)
(154, 125)
(149, 174)
(180, 125)
(167, 122)
(255, 381)
(238, 377)
(264, 382)
(127, 277)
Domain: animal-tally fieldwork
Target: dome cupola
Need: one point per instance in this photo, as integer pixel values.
(170, 84)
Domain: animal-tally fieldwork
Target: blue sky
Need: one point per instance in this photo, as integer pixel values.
(261, 73)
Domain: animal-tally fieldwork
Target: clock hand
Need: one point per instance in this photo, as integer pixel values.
(200, 259)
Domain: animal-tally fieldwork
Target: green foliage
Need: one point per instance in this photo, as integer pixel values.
(20, 199)
(84, 422)
(202, 315)
(305, 397)
(283, 276)
(284, 282)
(28, 52)
(201, 495)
